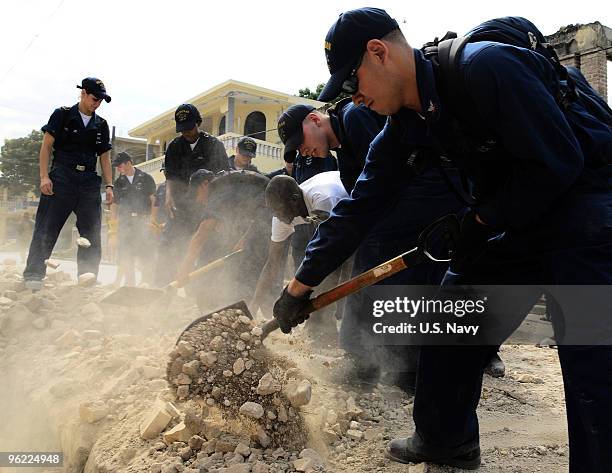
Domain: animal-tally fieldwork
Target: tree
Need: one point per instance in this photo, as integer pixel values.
(308, 94)
(19, 163)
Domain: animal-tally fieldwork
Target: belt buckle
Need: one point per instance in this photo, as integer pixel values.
(134, 214)
(80, 167)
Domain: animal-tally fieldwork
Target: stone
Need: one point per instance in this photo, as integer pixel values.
(419, 468)
(91, 334)
(151, 372)
(371, 434)
(240, 346)
(226, 444)
(216, 343)
(17, 317)
(155, 421)
(260, 467)
(87, 279)
(282, 414)
(313, 455)
(68, 339)
(257, 332)
(243, 449)
(246, 336)
(196, 442)
(208, 358)
(268, 385)
(529, 378)
(185, 453)
(252, 410)
(83, 242)
(40, 323)
(93, 411)
(263, 438)
(182, 391)
(354, 425)
(52, 264)
(227, 373)
(172, 410)
(179, 433)
(238, 468)
(92, 310)
(185, 349)
(238, 367)
(353, 411)
(298, 393)
(304, 464)
(5, 301)
(354, 434)
(182, 378)
(191, 368)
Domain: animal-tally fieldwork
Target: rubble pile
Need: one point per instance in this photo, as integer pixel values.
(222, 363)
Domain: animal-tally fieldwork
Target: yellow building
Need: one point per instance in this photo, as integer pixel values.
(229, 110)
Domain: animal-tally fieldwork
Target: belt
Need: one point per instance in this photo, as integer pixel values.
(76, 167)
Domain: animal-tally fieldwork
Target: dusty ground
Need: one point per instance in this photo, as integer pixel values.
(80, 377)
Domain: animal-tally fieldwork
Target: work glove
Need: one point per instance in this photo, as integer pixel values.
(288, 310)
(471, 242)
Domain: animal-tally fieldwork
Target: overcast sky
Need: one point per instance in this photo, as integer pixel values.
(154, 55)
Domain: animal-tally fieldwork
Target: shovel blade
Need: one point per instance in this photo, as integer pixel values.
(237, 305)
(128, 296)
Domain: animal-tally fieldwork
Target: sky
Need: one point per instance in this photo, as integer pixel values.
(155, 55)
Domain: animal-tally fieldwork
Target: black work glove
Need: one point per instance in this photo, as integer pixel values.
(471, 243)
(288, 310)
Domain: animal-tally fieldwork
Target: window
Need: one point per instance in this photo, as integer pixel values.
(255, 126)
(222, 125)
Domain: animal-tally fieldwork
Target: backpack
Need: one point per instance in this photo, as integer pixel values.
(516, 31)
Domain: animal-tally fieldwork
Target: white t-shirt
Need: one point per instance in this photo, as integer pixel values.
(130, 178)
(193, 145)
(85, 118)
(321, 193)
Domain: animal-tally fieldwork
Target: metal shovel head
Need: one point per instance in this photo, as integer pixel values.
(129, 296)
(237, 305)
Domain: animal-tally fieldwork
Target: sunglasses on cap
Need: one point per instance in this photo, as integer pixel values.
(351, 83)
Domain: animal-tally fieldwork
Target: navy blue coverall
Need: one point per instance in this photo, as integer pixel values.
(410, 208)
(545, 186)
(76, 188)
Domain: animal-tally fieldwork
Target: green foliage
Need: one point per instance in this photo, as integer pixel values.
(308, 94)
(19, 163)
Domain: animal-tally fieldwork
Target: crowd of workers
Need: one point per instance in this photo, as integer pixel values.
(501, 135)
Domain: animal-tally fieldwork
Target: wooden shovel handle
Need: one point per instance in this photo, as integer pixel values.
(206, 268)
(368, 278)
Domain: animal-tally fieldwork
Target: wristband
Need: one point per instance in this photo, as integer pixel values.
(109, 185)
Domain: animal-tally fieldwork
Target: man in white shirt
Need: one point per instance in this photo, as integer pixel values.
(291, 205)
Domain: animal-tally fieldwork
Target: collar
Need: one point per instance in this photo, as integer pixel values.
(334, 121)
(426, 86)
(74, 113)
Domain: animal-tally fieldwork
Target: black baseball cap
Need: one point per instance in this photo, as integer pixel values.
(290, 128)
(94, 86)
(247, 146)
(200, 176)
(346, 41)
(186, 117)
(121, 158)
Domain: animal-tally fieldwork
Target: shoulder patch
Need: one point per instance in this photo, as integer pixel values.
(64, 108)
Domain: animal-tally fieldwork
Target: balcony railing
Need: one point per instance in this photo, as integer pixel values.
(265, 149)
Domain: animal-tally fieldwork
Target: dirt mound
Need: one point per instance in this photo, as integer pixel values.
(222, 363)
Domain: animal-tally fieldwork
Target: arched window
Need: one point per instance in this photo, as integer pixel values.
(222, 126)
(255, 126)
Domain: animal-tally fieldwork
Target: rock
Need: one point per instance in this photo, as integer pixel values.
(313, 455)
(238, 468)
(240, 346)
(5, 301)
(191, 368)
(208, 358)
(11, 295)
(151, 372)
(32, 302)
(354, 434)
(179, 433)
(227, 373)
(226, 444)
(68, 339)
(304, 464)
(243, 319)
(196, 442)
(371, 434)
(260, 467)
(87, 279)
(92, 334)
(298, 393)
(420, 468)
(194, 421)
(17, 317)
(252, 410)
(155, 422)
(263, 438)
(529, 378)
(182, 378)
(185, 453)
(83, 242)
(92, 310)
(268, 385)
(40, 323)
(185, 349)
(93, 411)
(354, 425)
(52, 264)
(257, 332)
(238, 366)
(216, 343)
(246, 336)
(282, 414)
(243, 449)
(182, 391)
(330, 436)
(353, 411)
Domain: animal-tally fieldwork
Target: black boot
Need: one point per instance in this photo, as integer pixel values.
(495, 367)
(401, 450)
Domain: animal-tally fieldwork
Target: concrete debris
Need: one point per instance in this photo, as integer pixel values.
(83, 242)
(354, 434)
(179, 433)
(68, 339)
(155, 422)
(268, 385)
(238, 367)
(529, 378)
(93, 411)
(298, 393)
(252, 410)
(52, 263)
(87, 279)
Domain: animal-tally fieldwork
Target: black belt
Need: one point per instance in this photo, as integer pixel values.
(75, 166)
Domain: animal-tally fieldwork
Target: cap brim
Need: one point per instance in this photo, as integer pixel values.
(107, 98)
(333, 88)
(292, 145)
(185, 126)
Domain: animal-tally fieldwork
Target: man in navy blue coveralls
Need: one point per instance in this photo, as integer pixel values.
(348, 130)
(546, 194)
(77, 136)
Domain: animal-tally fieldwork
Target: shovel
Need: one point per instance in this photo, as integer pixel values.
(447, 226)
(128, 296)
